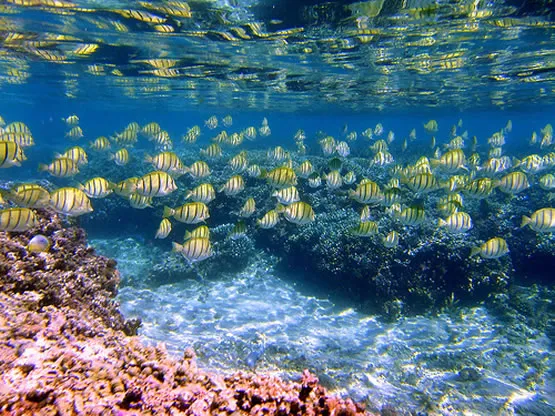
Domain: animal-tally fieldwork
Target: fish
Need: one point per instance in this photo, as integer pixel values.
(211, 122)
(61, 168)
(239, 230)
(155, 184)
(70, 201)
(76, 153)
(75, 133)
(334, 180)
(513, 183)
(194, 249)
(213, 151)
(451, 161)
(121, 157)
(458, 222)
(204, 192)
(233, 185)
(543, 220)
(547, 181)
(166, 161)
(164, 229)
(97, 187)
(100, 144)
(269, 220)
(413, 215)
(139, 201)
(71, 120)
(189, 213)
(365, 229)
(491, 249)
(299, 212)
(367, 192)
(239, 163)
(314, 180)
(227, 121)
(281, 177)
(248, 208)
(431, 126)
(391, 240)
(423, 183)
(38, 244)
(349, 178)
(287, 196)
(29, 195)
(201, 231)
(126, 187)
(198, 170)
(365, 214)
(17, 219)
(11, 154)
(24, 140)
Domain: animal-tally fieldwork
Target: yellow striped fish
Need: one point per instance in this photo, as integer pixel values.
(21, 138)
(126, 187)
(204, 192)
(155, 184)
(491, 249)
(199, 169)
(167, 162)
(200, 232)
(11, 154)
(70, 201)
(29, 195)
(101, 143)
(17, 219)
(164, 229)
(412, 215)
(97, 187)
(458, 222)
(543, 220)
(75, 133)
(299, 212)
(367, 192)
(233, 186)
(513, 183)
(77, 154)
(269, 220)
(365, 229)
(281, 177)
(248, 208)
(121, 157)
(190, 213)
(194, 249)
(391, 240)
(139, 201)
(61, 168)
(287, 196)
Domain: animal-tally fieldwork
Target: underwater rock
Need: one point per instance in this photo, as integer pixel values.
(65, 349)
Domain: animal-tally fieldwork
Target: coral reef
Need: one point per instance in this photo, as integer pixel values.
(65, 349)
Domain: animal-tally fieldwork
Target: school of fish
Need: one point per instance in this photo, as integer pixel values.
(455, 172)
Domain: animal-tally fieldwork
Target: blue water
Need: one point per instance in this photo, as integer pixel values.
(352, 66)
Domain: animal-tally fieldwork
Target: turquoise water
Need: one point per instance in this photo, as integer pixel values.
(421, 325)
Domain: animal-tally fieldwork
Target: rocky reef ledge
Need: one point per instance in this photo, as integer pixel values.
(65, 349)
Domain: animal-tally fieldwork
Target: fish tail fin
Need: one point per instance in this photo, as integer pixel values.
(43, 167)
(441, 222)
(148, 158)
(474, 251)
(280, 208)
(525, 221)
(168, 212)
(434, 163)
(176, 247)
